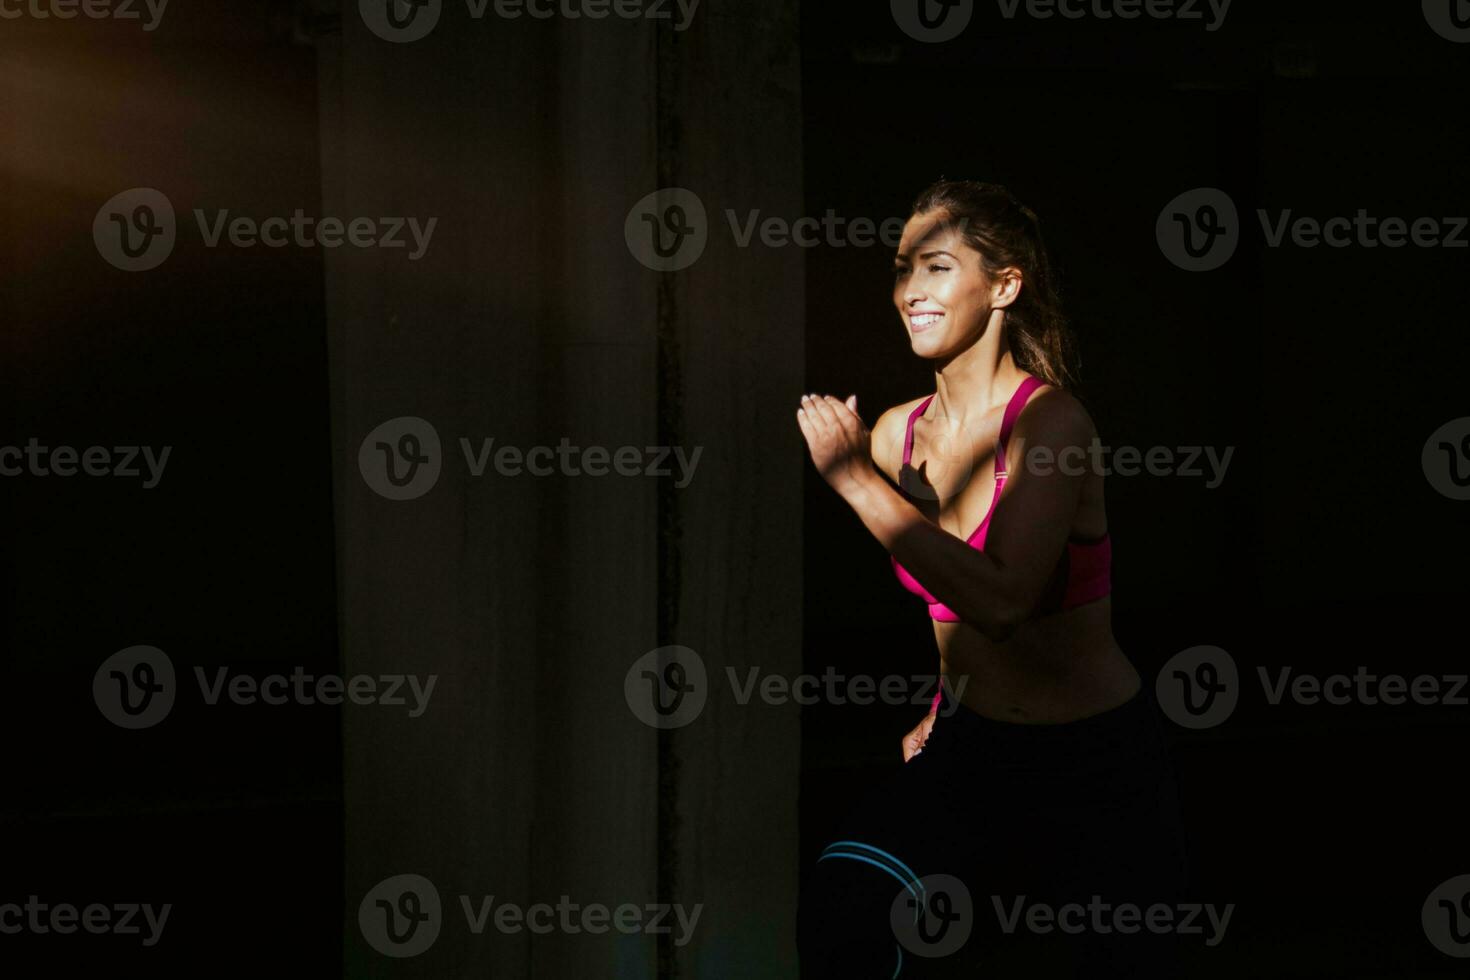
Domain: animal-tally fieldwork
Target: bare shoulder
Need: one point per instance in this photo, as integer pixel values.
(886, 437)
(1055, 417)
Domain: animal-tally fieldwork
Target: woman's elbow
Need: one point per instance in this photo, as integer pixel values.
(997, 618)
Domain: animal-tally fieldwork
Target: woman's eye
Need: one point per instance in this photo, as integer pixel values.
(900, 272)
(939, 268)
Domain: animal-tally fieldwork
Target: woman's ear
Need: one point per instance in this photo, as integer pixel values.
(1005, 287)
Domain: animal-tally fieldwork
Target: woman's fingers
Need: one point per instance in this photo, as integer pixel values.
(838, 413)
(818, 404)
(808, 429)
(846, 415)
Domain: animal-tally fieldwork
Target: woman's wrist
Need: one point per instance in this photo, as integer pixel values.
(857, 487)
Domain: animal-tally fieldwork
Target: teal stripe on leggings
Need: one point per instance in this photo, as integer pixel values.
(886, 862)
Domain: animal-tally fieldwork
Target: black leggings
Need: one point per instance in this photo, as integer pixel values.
(991, 820)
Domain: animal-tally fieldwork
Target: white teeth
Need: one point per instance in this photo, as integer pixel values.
(924, 319)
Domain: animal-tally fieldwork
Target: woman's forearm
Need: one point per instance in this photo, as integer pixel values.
(964, 578)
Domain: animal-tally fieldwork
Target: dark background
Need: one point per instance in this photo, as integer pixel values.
(1326, 369)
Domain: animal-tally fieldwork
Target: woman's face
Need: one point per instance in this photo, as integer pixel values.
(940, 287)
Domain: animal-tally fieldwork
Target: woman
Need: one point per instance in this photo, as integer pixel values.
(1047, 782)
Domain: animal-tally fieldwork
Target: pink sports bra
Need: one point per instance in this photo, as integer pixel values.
(1088, 571)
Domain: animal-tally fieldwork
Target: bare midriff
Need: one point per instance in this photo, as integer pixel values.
(1058, 668)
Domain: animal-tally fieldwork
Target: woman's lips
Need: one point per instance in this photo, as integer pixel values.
(923, 321)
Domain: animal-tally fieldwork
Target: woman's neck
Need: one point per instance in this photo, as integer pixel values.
(970, 384)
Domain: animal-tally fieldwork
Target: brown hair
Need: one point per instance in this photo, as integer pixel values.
(1007, 233)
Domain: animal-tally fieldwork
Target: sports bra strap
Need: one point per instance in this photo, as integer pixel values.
(908, 436)
(1008, 421)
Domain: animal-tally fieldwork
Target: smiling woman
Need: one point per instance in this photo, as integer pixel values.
(1046, 778)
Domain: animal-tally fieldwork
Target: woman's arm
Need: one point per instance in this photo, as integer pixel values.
(993, 590)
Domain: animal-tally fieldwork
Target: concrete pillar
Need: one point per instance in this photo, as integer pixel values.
(528, 319)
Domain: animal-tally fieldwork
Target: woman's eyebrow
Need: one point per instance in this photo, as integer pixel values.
(902, 257)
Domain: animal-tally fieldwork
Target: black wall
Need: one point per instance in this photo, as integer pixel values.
(1327, 369)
